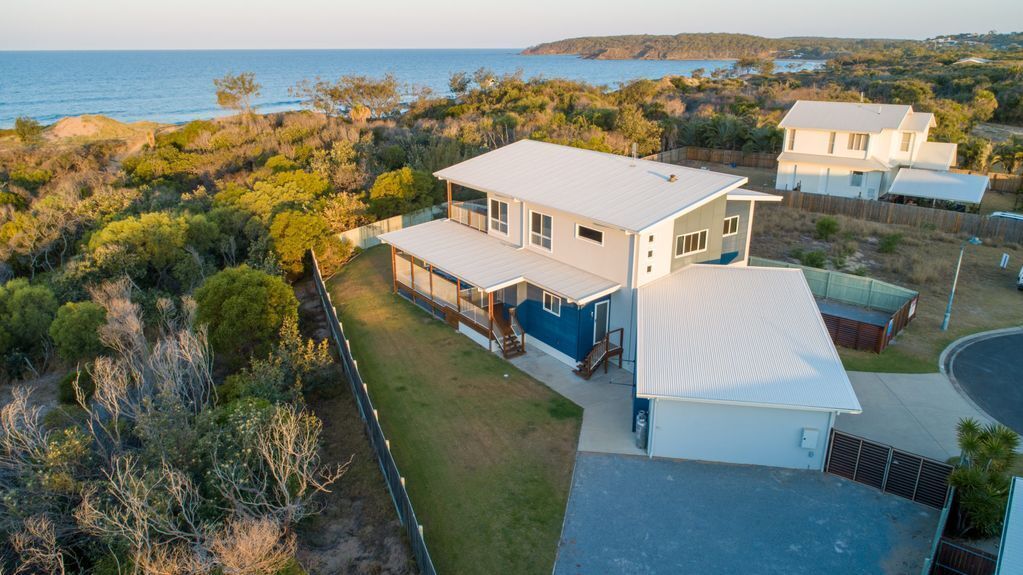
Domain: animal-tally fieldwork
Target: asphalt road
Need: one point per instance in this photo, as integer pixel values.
(990, 371)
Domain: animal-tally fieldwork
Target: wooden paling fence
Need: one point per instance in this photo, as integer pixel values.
(986, 227)
(381, 446)
(711, 155)
(998, 181)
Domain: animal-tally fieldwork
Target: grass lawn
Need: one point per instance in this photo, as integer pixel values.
(486, 450)
(924, 261)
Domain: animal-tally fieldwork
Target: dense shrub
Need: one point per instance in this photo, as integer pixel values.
(813, 259)
(74, 330)
(294, 234)
(889, 243)
(402, 191)
(26, 312)
(244, 309)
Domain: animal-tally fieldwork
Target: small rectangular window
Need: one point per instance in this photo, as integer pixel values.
(499, 216)
(907, 141)
(792, 140)
(692, 243)
(650, 253)
(831, 143)
(856, 179)
(552, 303)
(540, 230)
(858, 142)
(595, 236)
(649, 269)
(651, 239)
(731, 226)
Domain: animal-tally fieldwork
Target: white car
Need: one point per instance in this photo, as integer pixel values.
(1008, 216)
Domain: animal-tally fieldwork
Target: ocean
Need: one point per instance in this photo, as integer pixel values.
(177, 86)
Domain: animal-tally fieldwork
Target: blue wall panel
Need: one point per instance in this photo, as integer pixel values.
(571, 333)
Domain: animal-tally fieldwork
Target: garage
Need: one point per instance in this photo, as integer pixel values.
(737, 366)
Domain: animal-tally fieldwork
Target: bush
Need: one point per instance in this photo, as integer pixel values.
(26, 312)
(827, 227)
(66, 389)
(244, 309)
(889, 243)
(74, 330)
(401, 191)
(982, 475)
(27, 129)
(293, 234)
(813, 259)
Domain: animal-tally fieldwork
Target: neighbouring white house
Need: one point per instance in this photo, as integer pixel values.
(859, 150)
(1010, 550)
(592, 257)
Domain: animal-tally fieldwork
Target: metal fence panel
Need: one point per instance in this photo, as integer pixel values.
(891, 470)
(392, 477)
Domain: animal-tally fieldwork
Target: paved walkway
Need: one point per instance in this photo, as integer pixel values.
(606, 400)
(987, 367)
(914, 412)
(633, 515)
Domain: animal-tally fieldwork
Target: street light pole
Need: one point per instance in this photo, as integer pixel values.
(955, 280)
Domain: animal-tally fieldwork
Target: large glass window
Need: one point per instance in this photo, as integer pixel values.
(499, 216)
(856, 179)
(693, 243)
(540, 230)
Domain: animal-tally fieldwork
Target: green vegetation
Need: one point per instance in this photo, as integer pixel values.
(708, 46)
(490, 480)
(75, 331)
(236, 91)
(826, 227)
(982, 476)
(245, 309)
(27, 129)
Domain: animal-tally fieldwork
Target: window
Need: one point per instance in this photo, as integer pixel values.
(693, 243)
(858, 141)
(595, 236)
(499, 216)
(907, 141)
(831, 143)
(649, 269)
(651, 240)
(731, 226)
(856, 179)
(792, 140)
(650, 253)
(552, 303)
(540, 230)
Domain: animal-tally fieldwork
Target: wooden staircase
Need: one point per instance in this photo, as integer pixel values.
(508, 333)
(602, 352)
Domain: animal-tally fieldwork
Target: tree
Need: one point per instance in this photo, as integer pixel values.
(982, 475)
(401, 191)
(75, 333)
(458, 83)
(27, 129)
(244, 309)
(134, 245)
(26, 312)
(294, 233)
(235, 92)
(361, 97)
(344, 212)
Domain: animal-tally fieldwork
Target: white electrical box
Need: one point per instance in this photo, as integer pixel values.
(809, 440)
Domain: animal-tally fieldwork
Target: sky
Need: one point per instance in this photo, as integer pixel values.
(241, 24)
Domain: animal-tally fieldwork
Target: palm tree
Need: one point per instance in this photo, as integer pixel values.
(1009, 154)
(982, 475)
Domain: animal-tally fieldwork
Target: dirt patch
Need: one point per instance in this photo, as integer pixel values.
(43, 389)
(357, 530)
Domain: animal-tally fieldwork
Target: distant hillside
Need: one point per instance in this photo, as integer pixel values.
(709, 46)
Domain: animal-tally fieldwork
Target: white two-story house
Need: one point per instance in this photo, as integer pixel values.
(866, 151)
(591, 257)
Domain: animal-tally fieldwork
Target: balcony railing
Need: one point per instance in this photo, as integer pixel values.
(472, 214)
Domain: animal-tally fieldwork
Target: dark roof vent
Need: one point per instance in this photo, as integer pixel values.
(672, 178)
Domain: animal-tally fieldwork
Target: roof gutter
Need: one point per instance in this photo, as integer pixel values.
(749, 403)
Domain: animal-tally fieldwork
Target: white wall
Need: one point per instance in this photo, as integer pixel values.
(737, 434)
(830, 181)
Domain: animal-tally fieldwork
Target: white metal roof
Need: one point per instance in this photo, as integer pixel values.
(963, 188)
(935, 155)
(742, 335)
(488, 263)
(752, 196)
(617, 191)
(862, 164)
(845, 116)
(918, 122)
(1010, 552)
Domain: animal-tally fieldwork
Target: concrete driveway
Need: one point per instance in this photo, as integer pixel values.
(989, 369)
(633, 515)
(913, 412)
